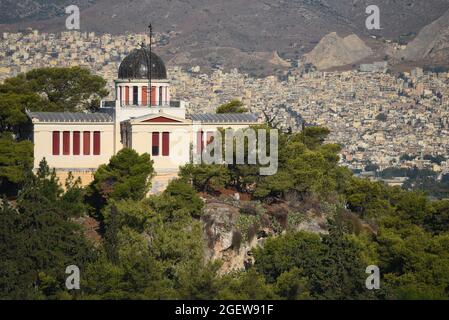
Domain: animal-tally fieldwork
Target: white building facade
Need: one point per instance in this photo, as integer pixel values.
(146, 120)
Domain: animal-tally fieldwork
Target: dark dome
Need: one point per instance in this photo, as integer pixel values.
(135, 66)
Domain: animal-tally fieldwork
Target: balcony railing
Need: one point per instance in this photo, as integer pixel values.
(163, 104)
(141, 104)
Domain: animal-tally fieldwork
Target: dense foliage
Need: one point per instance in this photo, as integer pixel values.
(55, 89)
(402, 232)
(15, 161)
(47, 89)
(152, 247)
(127, 175)
(234, 106)
(39, 239)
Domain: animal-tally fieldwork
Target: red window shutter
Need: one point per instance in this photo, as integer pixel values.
(76, 143)
(97, 143)
(66, 143)
(86, 143)
(153, 96)
(155, 144)
(166, 144)
(200, 142)
(56, 143)
(144, 96)
(127, 95)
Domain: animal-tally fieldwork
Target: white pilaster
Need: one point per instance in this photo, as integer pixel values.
(168, 95)
(157, 95)
(122, 95)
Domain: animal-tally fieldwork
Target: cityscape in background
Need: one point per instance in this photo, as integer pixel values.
(221, 156)
(382, 119)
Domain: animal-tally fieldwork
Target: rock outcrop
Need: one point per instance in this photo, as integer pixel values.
(432, 42)
(333, 51)
(224, 241)
(234, 228)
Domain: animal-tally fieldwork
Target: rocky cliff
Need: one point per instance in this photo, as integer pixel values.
(234, 228)
(334, 51)
(432, 42)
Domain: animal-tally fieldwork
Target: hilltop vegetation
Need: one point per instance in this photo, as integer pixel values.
(47, 89)
(153, 248)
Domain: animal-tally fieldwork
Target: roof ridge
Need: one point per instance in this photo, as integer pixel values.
(65, 116)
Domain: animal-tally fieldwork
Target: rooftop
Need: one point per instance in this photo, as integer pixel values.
(137, 66)
(99, 117)
(223, 118)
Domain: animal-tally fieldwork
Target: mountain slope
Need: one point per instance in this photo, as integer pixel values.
(432, 42)
(257, 25)
(14, 11)
(334, 51)
(192, 27)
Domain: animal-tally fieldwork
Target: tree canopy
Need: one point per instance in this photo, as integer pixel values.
(48, 89)
(127, 176)
(65, 89)
(234, 106)
(152, 247)
(16, 160)
(39, 239)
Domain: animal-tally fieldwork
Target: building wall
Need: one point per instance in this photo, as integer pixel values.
(180, 139)
(161, 181)
(126, 113)
(183, 139)
(158, 184)
(43, 145)
(160, 88)
(86, 176)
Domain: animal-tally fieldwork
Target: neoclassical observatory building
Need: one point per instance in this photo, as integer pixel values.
(146, 120)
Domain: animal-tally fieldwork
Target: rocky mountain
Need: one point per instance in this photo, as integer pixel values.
(432, 42)
(213, 31)
(334, 51)
(14, 11)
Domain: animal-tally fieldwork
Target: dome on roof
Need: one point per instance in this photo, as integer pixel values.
(136, 66)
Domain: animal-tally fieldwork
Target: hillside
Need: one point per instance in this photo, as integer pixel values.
(432, 42)
(200, 28)
(334, 51)
(12, 11)
(221, 232)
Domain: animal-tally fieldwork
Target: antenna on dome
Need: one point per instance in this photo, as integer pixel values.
(151, 64)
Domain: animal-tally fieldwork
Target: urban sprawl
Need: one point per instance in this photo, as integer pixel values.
(376, 116)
